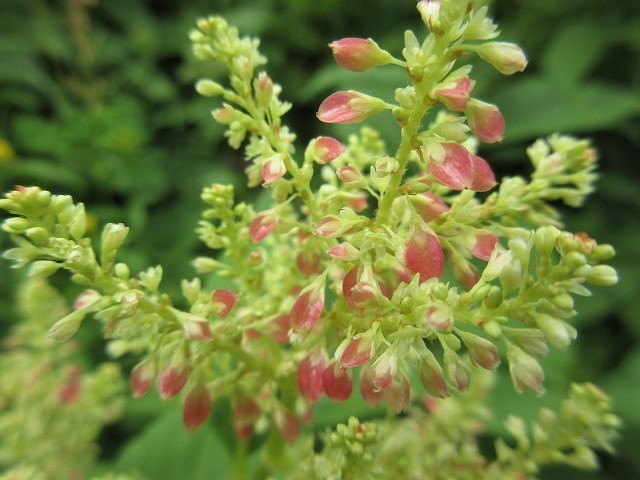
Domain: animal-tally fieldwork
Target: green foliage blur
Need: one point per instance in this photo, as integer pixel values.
(97, 101)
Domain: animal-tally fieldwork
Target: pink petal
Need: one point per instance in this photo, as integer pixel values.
(483, 177)
(456, 170)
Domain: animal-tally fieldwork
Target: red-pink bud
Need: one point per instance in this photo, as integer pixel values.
(348, 282)
(423, 253)
(262, 225)
(358, 54)
(309, 376)
(222, 301)
(349, 174)
(273, 169)
(484, 245)
(86, 298)
(142, 377)
(385, 368)
(456, 96)
(287, 424)
(197, 406)
(432, 376)
(459, 170)
(344, 252)
(172, 379)
(245, 410)
(429, 206)
(485, 121)
(360, 350)
(325, 149)
(482, 352)
(398, 393)
(308, 261)
(370, 394)
(337, 382)
(71, 389)
(357, 201)
(279, 328)
(197, 328)
(483, 177)
(349, 107)
(308, 307)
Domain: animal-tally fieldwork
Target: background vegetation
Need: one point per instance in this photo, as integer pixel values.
(97, 101)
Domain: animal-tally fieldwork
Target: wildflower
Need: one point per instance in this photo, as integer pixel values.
(142, 377)
(349, 106)
(359, 54)
(423, 253)
(507, 58)
(324, 149)
(310, 376)
(337, 382)
(197, 406)
(456, 95)
(262, 225)
(460, 170)
(308, 307)
(485, 121)
(222, 301)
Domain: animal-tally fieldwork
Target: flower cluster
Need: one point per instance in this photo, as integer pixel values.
(394, 269)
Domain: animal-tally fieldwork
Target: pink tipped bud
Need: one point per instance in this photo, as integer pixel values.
(456, 169)
(308, 261)
(337, 382)
(197, 406)
(273, 169)
(287, 424)
(429, 206)
(357, 201)
(399, 393)
(455, 96)
(360, 350)
(526, 373)
(332, 226)
(344, 252)
(370, 394)
(385, 368)
(348, 282)
(349, 174)
(484, 246)
(222, 301)
(245, 410)
(86, 298)
(358, 54)
(483, 177)
(310, 374)
(457, 371)
(424, 253)
(485, 121)
(197, 328)
(172, 379)
(308, 307)
(279, 328)
(262, 225)
(507, 58)
(432, 376)
(142, 377)
(324, 149)
(349, 107)
(482, 352)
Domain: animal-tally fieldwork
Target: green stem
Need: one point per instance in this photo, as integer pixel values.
(240, 461)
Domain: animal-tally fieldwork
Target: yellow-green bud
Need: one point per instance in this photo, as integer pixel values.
(209, 88)
(602, 275)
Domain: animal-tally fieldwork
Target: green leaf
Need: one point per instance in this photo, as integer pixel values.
(166, 450)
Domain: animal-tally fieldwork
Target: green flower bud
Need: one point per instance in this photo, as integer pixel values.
(113, 236)
(121, 271)
(494, 297)
(602, 275)
(604, 252)
(545, 239)
(575, 260)
(65, 328)
(44, 268)
(16, 225)
(209, 88)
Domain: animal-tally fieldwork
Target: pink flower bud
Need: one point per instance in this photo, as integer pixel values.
(222, 301)
(370, 394)
(357, 201)
(360, 350)
(459, 170)
(456, 96)
(172, 379)
(287, 424)
(464, 272)
(262, 225)
(273, 169)
(484, 245)
(308, 261)
(279, 328)
(399, 393)
(337, 382)
(432, 376)
(507, 58)
(325, 149)
(349, 107)
(531, 340)
(197, 328)
(197, 406)
(344, 252)
(245, 410)
(457, 371)
(348, 282)
(485, 121)
(423, 253)
(308, 307)
(429, 206)
(482, 352)
(349, 174)
(86, 298)
(332, 226)
(358, 54)
(310, 375)
(385, 368)
(142, 377)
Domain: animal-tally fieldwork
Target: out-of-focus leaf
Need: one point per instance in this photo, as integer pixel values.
(622, 386)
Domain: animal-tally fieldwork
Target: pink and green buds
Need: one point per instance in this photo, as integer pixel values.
(359, 54)
(507, 58)
(482, 352)
(310, 374)
(370, 393)
(526, 373)
(349, 106)
(172, 379)
(460, 170)
(197, 406)
(273, 169)
(457, 371)
(484, 245)
(308, 307)
(423, 253)
(432, 376)
(454, 96)
(337, 382)
(222, 301)
(324, 150)
(142, 377)
(262, 225)
(359, 350)
(485, 121)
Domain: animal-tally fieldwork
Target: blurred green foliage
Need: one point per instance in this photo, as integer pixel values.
(96, 100)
